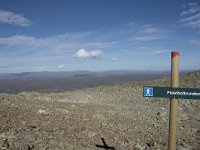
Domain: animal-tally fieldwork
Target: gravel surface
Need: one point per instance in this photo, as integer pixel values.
(106, 117)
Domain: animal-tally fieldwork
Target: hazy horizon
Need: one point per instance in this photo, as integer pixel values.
(98, 71)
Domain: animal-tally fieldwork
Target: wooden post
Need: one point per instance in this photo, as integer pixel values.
(174, 102)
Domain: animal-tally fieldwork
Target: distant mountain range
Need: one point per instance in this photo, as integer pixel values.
(48, 81)
(74, 74)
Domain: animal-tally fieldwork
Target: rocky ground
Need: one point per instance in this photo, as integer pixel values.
(106, 117)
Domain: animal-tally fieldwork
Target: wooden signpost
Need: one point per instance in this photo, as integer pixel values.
(173, 92)
(174, 102)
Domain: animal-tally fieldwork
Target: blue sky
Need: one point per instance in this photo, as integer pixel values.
(96, 35)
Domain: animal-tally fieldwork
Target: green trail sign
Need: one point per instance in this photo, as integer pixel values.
(170, 92)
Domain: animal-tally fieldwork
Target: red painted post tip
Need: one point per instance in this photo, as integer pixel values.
(175, 53)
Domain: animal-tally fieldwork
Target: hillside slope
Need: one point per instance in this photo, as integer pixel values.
(116, 116)
(190, 80)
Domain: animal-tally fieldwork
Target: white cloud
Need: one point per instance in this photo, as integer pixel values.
(22, 40)
(191, 16)
(154, 52)
(82, 53)
(61, 66)
(192, 4)
(150, 51)
(159, 51)
(191, 10)
(145, 38)
(61, 40)
(115, 59)
(58, 42)
(14, 19)
(149, 30)
(147, 33)
(101, 44)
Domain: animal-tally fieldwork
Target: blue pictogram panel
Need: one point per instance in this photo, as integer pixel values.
(148, 91)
